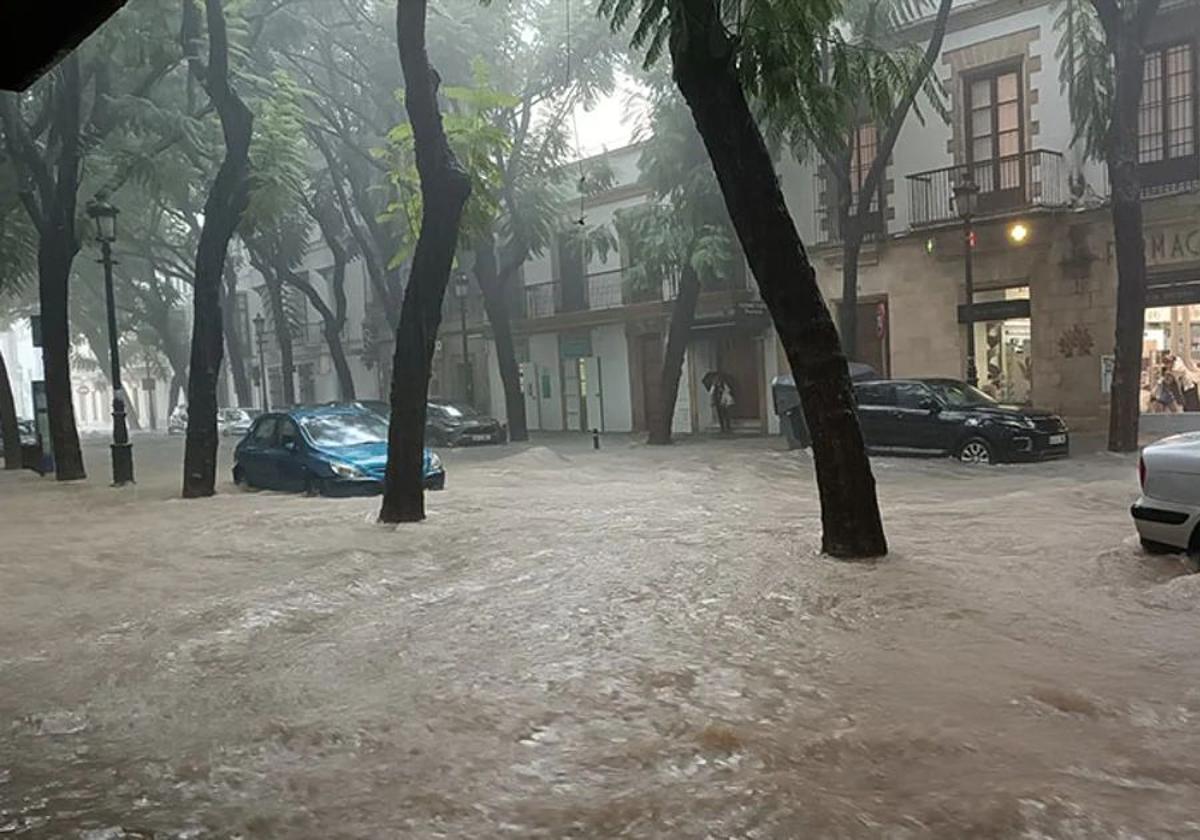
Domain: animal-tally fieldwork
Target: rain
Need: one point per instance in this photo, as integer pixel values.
(600, 418)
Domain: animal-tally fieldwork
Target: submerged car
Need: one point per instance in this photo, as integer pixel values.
(1167, 516)
(330, 450)
(786, 398)
(236, 421)
(949, 417)
(28, 433)
(450, 423)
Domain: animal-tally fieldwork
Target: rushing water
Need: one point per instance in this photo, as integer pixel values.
(629, 643)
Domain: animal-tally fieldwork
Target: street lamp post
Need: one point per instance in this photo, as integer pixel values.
(105, 217)
(461, 289)
(966, 199)
(260, 339)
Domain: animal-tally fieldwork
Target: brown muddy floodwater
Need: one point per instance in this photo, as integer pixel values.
(625, 643)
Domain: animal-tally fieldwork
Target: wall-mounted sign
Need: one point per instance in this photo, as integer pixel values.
(1107, 363)
(575, 345)
(1166, 245)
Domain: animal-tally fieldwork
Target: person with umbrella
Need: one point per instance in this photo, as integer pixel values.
(720, 390)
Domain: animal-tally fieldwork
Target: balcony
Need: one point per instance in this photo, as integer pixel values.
(600, 291)
(1016, 182)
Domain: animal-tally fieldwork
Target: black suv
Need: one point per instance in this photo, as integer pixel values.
(948, 417)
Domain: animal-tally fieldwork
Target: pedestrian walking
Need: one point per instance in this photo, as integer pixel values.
(720, 390)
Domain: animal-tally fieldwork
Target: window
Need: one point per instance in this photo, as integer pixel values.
(1167, 115)
(264, 432)
(288, 433)
(242, 304)
(863, 148)
(876, 394)
(995, 132)
(912, 395)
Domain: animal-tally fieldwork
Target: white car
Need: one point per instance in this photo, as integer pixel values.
(1168, 512)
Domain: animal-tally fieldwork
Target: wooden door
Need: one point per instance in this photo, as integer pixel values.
(872, 336)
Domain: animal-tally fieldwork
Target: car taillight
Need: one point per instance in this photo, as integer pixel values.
(1142, 472)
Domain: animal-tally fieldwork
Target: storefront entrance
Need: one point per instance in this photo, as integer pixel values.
(1003, 343)
(1171, 344)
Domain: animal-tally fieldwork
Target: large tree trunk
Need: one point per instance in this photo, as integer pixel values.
(222, 212)
(1122, 159)
(683, 312)
(705, 70)
(55, 254)
(10, 432)
(444, 192)
(234, 338)
(495, 304)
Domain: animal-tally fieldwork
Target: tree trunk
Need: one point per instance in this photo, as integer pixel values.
(178, 383)
(10, 432)
(55, 254)
(683, 312)
(333, 319)
(495, 304)
(222, 212)
(332, 325)
(852, 237)
(283, 336)
(705, 70)
(444, 192)
(1122, 160)
(233, 340)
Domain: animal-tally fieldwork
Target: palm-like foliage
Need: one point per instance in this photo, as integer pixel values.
(1085, 71)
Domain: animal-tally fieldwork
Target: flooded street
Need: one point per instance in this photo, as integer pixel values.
(625, 643)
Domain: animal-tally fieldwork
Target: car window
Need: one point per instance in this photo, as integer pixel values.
(876, 394)
(288, 433)
(345, 430)
(912, 395)
(264, 432)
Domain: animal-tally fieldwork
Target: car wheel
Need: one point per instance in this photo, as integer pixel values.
(239, 476)
(314, 487)
(1152, 547)
(975, 451)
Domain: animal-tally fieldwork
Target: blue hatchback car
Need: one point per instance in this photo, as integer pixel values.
(331, 450)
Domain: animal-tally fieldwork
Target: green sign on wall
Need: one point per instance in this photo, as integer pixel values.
(575, 345)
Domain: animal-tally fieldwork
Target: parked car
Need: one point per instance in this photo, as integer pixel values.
(948, 417)
(236, 421)
(28, 432)
(328, 450)
(1167, 515)
(177, 422)
(787, 404)
(450, 423)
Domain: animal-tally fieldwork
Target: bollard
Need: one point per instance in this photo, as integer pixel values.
(595, 438)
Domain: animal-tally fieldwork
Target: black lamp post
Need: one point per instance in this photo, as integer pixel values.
(461, 288)
(260, 339)
(105, 217)
(966, 200)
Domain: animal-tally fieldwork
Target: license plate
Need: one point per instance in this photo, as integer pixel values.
(1058, 440)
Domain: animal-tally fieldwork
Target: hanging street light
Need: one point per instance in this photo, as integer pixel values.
(966, 202)
(461, 290)
(259, 339)
(104, 216)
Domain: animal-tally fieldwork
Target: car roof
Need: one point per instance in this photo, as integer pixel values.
(924, 380)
